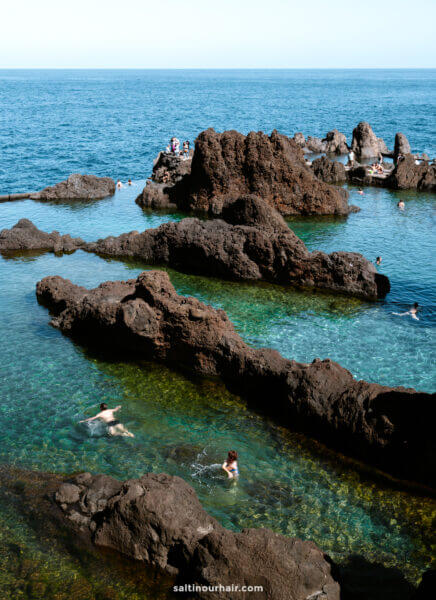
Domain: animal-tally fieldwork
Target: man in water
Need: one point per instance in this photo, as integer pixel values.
(401, 205)
(412, 312)
(119, 185)
(107, 416)
(378, 260)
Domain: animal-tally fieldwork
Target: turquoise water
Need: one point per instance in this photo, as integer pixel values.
(185, 426)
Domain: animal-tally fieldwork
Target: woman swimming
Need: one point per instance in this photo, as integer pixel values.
(230, 466)
(412, 312)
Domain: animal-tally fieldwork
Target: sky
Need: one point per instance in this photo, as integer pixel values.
(220, 34)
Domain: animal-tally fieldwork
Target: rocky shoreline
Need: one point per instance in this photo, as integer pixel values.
(390, 428)
(250, 242)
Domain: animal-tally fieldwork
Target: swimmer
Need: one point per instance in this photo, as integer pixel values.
(378, 260)
(401, 205)
(360, 192)
(412, 312)
(230, 466)
(129, 182)
(107, 416)
(119, 185)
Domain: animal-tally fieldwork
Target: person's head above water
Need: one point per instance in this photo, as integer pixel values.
(415, 305)
(232, 456)
(103, 406)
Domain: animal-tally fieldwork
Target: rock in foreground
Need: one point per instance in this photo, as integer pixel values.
(391, 428)
(78, 187)
(230, 164)
(158, 520)
(253, 242)
(26, 236)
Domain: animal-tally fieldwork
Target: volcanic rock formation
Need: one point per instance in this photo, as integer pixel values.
(25, 236)
(329, 171)
(391, 428)
(157, 519)
(335, 142)
(252, 243)
(230, 164)
(78, 187)
(401, 146)
(365, 143)
(407, 175)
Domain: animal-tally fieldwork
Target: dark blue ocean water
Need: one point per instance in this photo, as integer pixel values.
(53, 123)
(113, 122)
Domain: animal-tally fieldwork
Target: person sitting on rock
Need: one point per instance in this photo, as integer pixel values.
(165, 177)
(230, 466)
(107, 416)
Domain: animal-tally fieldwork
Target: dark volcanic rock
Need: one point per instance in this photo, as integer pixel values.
(329, 171)
(78, 187)
(315, 145)
(365, 143)
(391, 428)
(408, 175)
(168, 169)
(25, 236)
(401, 146)
(253, 244)
(335, 142)
(228, 165)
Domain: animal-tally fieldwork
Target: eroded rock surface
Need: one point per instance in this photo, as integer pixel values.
(365, 143)
(158, 520)
(78, 187)
(329, 171)
(230, 164)
(335, 142)
(252, 243)
(401, 146)
(24, 235)
(391, 428)
(408, 175)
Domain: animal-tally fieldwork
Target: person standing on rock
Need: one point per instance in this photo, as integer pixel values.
(186, 150)
(107, 416)
(230, 466)
(351, 158)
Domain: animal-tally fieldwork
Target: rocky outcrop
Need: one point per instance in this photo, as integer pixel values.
(329, 171)
(228, 165)
(391, 428)
(335, 142)
(170, 168)
(315, 145)
(78, 187)
(158, 520)
(253, 243)
(26, 236)
(300, 140)
(407, 175)
(401, 146)
(366, 144)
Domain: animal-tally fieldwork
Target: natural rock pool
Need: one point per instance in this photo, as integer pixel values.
(183, 426)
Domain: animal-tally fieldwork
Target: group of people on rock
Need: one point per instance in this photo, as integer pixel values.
(174, 148)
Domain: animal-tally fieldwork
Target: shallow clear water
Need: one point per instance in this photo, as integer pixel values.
(184, 426)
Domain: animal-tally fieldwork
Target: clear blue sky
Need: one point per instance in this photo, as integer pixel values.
(221, 34)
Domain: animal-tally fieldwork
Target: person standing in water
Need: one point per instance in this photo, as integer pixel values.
(107, 416)
(230, 466)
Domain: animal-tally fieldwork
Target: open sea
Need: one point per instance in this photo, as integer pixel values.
(113, 123)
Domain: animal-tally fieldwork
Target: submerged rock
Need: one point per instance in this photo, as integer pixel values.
(365, 143)
(230, 164)
(391, 428)
(253, 243)
(24, 235)
(78, 187)
(158, 520)
(329, 171)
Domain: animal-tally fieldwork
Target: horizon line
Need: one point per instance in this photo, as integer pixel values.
(215, 68)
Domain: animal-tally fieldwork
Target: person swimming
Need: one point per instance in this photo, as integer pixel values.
(119, 185)
(230, 466)
(412, 312)
(378, 260)
(360, 192)
(107, 416)
(401, 205)
(129, 182)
